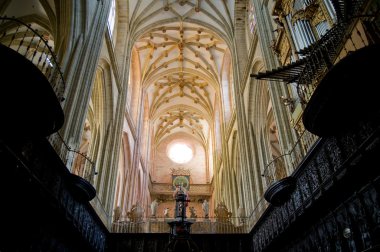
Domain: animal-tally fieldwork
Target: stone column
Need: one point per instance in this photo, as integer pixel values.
(286, 134)
(80, 32)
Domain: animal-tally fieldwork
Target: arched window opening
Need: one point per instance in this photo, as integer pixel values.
(180, 152)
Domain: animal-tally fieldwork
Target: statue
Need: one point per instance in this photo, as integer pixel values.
(192, 212)
(153, 207)
(205, 208)
(241, 214)
(116, 214)
(166, 212)
(222, 214)
(136, 213)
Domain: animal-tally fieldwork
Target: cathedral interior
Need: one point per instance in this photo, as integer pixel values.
(261, 113)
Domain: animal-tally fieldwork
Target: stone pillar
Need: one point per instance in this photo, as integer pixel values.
(80, 32)
(286, 134)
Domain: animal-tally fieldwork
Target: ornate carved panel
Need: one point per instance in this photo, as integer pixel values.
(349, 217)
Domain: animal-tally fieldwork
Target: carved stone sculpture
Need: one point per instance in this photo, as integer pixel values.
(205, 208)
(136, 213)
(116, 214)
(153, 208)
(192, 212)
(241, 214)
(221, 213)
(166, 212)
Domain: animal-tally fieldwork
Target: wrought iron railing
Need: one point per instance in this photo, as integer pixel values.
(87, 166)
(235, 225)
(74, 158)
(36, 46)
(276, 169)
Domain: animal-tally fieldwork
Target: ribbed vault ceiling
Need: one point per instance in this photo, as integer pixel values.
(181, 47)
(183, 52)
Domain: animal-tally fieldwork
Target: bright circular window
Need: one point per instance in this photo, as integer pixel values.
(180, 152)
